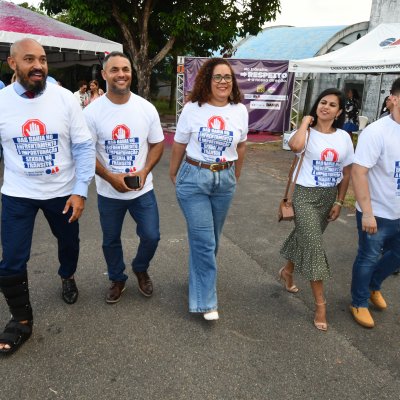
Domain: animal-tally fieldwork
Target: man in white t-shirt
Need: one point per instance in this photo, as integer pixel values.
(376, 181)
(49, 161)
(129, 143)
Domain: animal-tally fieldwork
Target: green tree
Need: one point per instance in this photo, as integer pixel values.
(150, 29)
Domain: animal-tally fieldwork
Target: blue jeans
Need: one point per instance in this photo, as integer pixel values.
(371, 267)
(144, 211)
(204, 197)
(17, 221)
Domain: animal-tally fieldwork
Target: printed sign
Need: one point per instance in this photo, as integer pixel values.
(266, 87)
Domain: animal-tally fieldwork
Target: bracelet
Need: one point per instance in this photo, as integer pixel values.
(338, 203)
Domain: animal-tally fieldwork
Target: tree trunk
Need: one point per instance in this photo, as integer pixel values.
(143, 72)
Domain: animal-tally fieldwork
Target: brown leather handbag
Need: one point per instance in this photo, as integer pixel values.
(286, 210)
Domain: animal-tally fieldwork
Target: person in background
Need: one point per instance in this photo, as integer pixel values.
(82, 94)
(376, 183)
(210, 138)
(2, 86)
(387, 107)
(94, 91)
(319, 193)
(51, 174)
(386, 110)
(352, 110)
(129, 142)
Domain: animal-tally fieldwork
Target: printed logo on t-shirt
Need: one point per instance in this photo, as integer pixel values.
(122, 149)
(121, 132)
(397, 176)
(33, 127)
(327, 170)
(214, 139)
(37, 148)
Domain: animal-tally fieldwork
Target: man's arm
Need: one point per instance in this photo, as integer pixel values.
(84, 155)
(359, 177)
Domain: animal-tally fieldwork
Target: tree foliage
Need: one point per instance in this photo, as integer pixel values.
(151, 29)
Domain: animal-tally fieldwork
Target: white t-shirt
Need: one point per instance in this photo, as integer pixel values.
(212, 133)
(83, 98)
(325, 157)
(378, 149)
(122, 133)
(36, 135)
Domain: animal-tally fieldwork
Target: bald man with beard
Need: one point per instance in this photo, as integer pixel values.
(49, 161)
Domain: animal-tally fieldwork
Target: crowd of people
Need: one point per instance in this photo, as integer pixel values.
(50, 161)
(86, 96)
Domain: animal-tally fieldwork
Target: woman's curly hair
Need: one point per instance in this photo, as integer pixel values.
(201, 91)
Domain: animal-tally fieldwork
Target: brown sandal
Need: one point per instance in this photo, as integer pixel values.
(321, 326)
(291, 289)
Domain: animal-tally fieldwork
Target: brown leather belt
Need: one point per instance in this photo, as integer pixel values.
(215, 167)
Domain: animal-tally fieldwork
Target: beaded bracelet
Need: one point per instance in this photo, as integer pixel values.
(338, 203)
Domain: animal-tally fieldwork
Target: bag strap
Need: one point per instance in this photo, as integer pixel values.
(291, 183)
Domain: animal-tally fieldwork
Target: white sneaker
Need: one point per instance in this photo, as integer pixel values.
(211, 315)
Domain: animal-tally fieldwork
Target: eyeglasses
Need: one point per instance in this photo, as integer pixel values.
(218, 78)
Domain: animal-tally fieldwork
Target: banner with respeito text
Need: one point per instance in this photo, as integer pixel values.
(266, 87)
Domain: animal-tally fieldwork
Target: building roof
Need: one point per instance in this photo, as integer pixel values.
(60, 40)
(286, 42)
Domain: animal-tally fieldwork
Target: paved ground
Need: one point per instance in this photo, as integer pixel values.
(263, 347)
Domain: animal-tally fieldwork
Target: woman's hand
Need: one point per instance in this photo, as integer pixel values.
(334, 213)
(307, 121)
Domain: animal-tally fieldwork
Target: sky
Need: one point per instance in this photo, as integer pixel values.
(311, 12)
(322, 12)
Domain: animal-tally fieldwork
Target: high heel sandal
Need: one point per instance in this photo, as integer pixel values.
(321, 326)
(291, 289)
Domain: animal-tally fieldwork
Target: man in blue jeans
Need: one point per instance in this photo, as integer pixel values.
(376, 181)
(49, 161)
(129, 142)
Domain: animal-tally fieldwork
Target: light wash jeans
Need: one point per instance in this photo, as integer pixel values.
(144, 211)
(204, 197)
(371, 267)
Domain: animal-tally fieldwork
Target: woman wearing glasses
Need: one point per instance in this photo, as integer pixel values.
(210, 139)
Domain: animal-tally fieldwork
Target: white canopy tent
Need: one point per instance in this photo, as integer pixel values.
(376, 52)
(64, 44)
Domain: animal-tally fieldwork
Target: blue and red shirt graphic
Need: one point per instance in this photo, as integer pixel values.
(328, 170)
(122, 149)
(37, 148)
(214, 139)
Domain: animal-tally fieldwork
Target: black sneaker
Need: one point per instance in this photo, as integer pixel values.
(69, 291)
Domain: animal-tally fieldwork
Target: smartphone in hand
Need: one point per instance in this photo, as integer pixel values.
(132, 181)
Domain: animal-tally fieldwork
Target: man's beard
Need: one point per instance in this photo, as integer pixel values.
(36, 86)
(116, 90)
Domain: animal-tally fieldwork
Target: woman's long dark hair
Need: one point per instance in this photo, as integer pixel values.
(201, 91)
(337, 123)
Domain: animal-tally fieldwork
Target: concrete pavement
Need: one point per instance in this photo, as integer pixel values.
(263, 347)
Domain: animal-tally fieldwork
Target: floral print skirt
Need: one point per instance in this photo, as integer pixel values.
(304, 245)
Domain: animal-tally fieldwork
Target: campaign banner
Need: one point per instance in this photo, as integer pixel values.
(266, 87)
